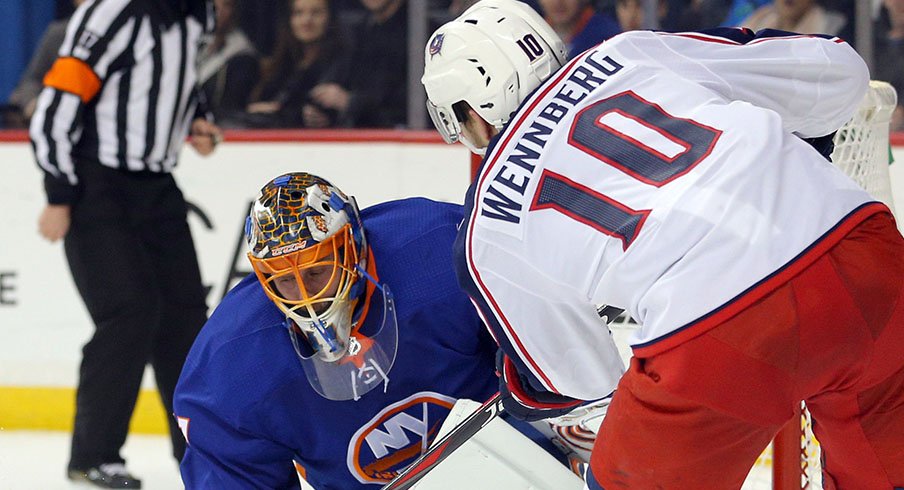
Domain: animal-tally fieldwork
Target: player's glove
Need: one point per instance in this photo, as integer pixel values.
(522, 400)
(825, 145)
(575, 432)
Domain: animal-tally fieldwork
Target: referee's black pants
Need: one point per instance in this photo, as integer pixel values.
(133, 261)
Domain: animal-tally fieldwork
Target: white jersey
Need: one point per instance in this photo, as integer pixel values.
(658, 173)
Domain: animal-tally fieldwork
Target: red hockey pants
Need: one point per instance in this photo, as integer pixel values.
(697, 415)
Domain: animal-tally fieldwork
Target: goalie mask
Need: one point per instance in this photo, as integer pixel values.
(308, 251)
(492, 57)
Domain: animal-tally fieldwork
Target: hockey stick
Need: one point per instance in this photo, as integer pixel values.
(465, 430)
(447, 445)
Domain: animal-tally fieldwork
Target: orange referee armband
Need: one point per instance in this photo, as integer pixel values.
(74, 76)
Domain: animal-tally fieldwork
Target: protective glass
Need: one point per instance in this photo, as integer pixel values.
(365, 364)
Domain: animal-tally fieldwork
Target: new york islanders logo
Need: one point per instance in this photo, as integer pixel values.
(396, 436)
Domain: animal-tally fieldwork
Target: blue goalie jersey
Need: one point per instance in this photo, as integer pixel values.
(248, 411)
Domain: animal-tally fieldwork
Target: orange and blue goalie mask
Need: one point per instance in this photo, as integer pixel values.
(308, 251)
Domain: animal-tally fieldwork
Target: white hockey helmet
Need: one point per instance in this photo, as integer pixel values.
(492, 57)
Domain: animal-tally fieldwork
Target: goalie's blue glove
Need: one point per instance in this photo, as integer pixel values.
(523, 400)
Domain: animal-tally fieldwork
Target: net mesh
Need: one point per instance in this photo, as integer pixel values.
(861, 146)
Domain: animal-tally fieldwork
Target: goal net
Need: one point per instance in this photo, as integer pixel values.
(861, 145)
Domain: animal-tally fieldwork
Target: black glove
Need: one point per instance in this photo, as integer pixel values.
(825, 145)
(525, 402)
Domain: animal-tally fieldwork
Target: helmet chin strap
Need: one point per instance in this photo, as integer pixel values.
(475, 119)
(471, 146)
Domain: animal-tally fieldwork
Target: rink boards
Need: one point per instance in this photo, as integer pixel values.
(42, 321)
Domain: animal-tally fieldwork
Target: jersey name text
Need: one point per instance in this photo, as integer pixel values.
(502, 200)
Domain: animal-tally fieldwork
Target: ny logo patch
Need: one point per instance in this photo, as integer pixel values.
(395, 436)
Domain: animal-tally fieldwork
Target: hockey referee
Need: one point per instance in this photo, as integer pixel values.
(116, 108)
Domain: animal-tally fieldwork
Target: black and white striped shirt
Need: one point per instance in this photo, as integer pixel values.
(122, 91)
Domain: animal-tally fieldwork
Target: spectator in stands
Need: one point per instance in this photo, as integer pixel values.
(804, 16)
(374, 91)
(630, 13)
(456, 7)
(578, 23)
(741, 9)
(25, 95)
(890, 54)
(228, 66)
(308, 51)
(700, 14)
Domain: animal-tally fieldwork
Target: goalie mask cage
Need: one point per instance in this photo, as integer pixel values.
(862, 150)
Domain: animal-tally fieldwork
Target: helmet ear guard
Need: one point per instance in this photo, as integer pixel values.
(491, 57)
(446, 120)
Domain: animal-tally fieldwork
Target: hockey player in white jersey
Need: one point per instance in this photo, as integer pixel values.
(668, 175)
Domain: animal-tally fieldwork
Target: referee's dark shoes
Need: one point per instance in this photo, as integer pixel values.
(112, 475)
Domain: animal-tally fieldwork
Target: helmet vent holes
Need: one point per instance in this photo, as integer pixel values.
(489, 38)
(294, 195)
(325, 206)
(482, 70)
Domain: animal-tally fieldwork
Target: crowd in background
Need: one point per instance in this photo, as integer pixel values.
(343, 63)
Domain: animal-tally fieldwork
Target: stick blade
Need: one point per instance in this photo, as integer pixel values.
(447, 445)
